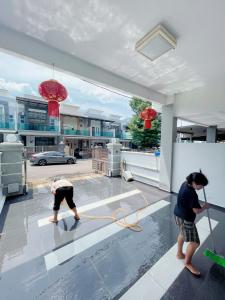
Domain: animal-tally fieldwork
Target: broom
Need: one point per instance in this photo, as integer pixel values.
(218, 259)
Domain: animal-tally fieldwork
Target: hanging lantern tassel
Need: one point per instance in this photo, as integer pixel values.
(148, 115)
(53, 109)
(147, 124)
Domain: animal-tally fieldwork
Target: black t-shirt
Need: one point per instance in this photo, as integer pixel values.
(187, 199)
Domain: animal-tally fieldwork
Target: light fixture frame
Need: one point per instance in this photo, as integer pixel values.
(158, 30)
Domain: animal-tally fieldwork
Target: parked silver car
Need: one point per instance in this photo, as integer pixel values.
(51, 157)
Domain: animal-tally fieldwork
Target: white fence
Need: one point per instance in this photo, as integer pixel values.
(143, 166)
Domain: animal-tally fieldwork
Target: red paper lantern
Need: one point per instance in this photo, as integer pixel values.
(148, 115)
(54, 92)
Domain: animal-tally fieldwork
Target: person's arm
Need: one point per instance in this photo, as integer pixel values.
(53, 188)
(200, 210)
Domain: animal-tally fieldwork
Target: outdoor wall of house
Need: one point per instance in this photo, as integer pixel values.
(7, 112)
(143, 166)
(83, 123)
(31, 112)
(70, 122)
(96, 127)
(210, 157)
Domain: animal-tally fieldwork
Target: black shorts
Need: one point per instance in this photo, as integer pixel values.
(61, 193)
(188, 230)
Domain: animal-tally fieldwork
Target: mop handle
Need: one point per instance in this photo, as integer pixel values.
(210, 225)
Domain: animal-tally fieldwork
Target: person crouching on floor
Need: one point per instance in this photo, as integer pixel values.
(185, 213)
(62, 188)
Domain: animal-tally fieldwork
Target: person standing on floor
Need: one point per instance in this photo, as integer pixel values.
(185, 213)
(62, 188)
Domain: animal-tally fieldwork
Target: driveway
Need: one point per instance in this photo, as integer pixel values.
(40, 174)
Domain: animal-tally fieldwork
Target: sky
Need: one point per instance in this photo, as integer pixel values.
(20, 76)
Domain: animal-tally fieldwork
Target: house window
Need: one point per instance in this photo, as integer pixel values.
(37, 116)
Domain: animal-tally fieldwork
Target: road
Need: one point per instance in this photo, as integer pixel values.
(41, 173)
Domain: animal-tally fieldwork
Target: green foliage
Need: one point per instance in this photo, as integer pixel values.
(143, 138)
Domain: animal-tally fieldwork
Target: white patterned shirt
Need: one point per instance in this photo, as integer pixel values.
(60, 183)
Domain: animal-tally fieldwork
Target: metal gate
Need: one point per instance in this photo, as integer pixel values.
(100, 161)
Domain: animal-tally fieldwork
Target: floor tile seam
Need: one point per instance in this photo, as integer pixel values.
(162, 260)
(116, 229)
(85, 207)
(84, 235)
(101, 278)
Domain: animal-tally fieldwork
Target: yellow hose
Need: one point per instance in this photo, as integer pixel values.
(133, 226)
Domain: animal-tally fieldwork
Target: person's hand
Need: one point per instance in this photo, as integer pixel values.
(206, 206)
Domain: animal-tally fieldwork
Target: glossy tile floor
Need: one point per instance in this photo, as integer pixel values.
(97, 259)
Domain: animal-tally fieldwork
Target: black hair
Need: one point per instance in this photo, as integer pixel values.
(197, 178)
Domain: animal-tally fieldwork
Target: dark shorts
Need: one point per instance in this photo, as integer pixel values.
(188, 230)
(61, 193)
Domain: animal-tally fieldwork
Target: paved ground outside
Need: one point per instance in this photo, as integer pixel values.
(98, 259)
(40, 174)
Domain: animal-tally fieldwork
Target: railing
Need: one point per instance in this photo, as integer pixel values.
(37, 127)
(108, 134)
(7, 125)
(86, 132)
(126, 136)
(83, 132)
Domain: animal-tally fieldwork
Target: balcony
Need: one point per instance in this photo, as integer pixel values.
(124, 135)
(107, 134)
(37, 127)
(82, 132)
(7, 125)
(87, 132)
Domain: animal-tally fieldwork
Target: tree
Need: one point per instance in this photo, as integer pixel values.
(143, 138)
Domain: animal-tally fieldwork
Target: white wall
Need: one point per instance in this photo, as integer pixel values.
(143, 166)
(188, 158)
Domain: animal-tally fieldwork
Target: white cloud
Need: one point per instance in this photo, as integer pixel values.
(21, 76)
(16, 87)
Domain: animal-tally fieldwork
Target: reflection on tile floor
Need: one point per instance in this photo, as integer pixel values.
(107, 269)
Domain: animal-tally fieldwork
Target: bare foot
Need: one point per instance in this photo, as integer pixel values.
(53, 220)
(193, 270)
(180, 256)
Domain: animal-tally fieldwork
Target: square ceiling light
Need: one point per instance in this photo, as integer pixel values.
(155, 43)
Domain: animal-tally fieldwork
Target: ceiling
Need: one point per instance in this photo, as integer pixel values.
(216, 118)
(105, 32)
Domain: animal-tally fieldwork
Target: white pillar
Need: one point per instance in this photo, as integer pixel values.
(168, 137)
(211, 135)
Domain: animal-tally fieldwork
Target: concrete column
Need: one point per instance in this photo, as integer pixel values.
(211, 134)
(114, 158)
(168, 137)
